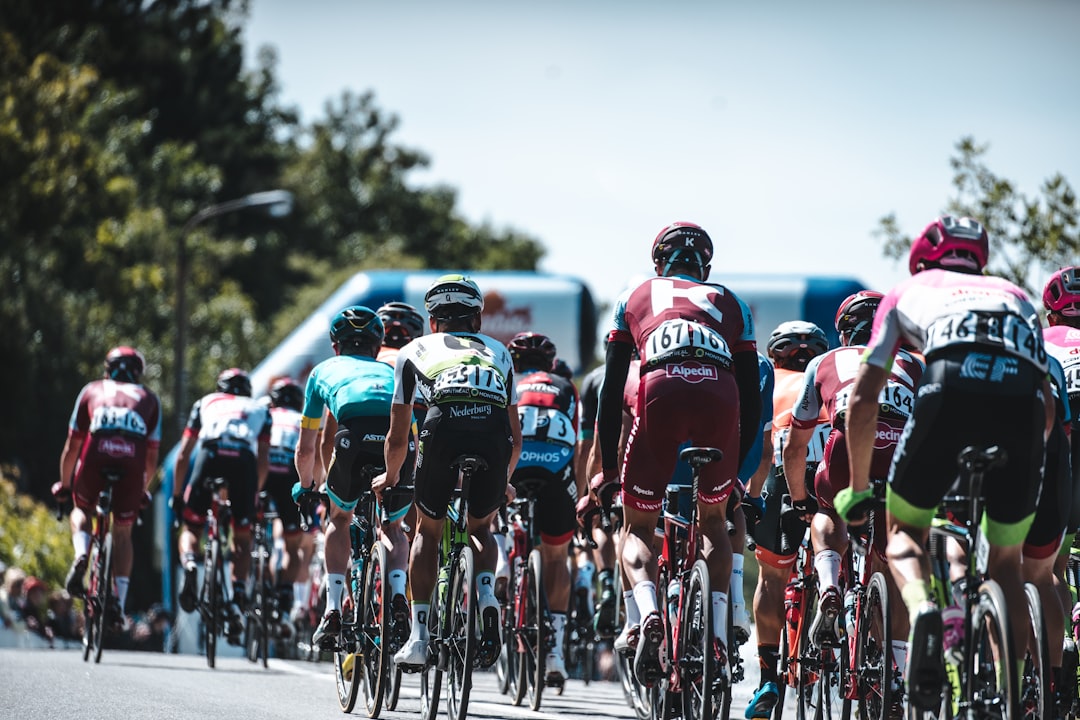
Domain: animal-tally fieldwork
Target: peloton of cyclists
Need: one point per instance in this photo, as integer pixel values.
(116, 423)
(699, 382)
(467, 379)
(356, 390)
(985, 383)
(229, 433)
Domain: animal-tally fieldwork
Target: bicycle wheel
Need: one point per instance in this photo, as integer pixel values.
(992, 686)
(702, 683)
(463, 639)
(535, 629)
(210, 601)
(373, 630)
(348, 658)
(661, 700)
(90, 599)
(1036, 697)
(635, 694)
(786, 665)
(103, 595)
(431, 677)
(392, 687)
(805, 654)
(830, 703)
(256, 618)
(874, 670)
(517, 640)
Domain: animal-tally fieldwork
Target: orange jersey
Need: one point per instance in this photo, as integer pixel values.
(788, 388)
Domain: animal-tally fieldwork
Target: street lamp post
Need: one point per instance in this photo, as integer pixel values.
(278, 203)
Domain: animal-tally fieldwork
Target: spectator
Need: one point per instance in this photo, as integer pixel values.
(34, 607)
(11, 596)
(62, 618)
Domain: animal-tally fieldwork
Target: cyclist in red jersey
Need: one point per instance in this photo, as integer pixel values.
(827, 383)
(699, 382)
(116, 423)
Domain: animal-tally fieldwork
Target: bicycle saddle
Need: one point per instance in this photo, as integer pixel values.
(469, 463)
(699, 456)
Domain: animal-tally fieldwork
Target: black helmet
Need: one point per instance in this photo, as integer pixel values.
(562, 368)
(795, 343)
(357, 325)
(124, 364)
(682, 242)
(531, 350)
(285, 392)
(401, 324)
(234, 381)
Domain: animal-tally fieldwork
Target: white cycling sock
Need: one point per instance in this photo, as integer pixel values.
(558, 624)
(335, 588)
(485, 588)
(899, 653)
(502, 561)
(719, 616)
(122, 591)
(737, 599)
(419, 621)
(645, 597)
(827, 565)
(398, 580)
(300, 594)
(633, 615)
(81, 542)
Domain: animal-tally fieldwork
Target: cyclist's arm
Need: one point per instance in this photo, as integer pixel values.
(748, 379)
(861, 423)
(152, 453)
(582, 463)
(757, 480)
(262, 463)
(68, 458)
(798, 440)
(609, 417)
(396, 446)
(183, 462)
(515, 439)
(326, 446)
(305, 455)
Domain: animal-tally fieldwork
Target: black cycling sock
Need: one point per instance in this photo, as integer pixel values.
(607, 579)
(1059, 678)
(768, 659)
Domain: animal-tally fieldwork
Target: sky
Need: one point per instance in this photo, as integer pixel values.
(785, 129)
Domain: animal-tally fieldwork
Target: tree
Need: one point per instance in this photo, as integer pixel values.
(1026, 233)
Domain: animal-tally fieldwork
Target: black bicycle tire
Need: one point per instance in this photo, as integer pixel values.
(431, 676)
(873, 657)
(660, 701)
(374, 617)
(348, 644)
(696, 643)
(534, 621)
(732, 651)
(804, 651)
(1042, 669)
(89, 598)
(213, 594)
(829, 683)
(783, 672)
(101, 622)
(265, 602)
(463, 602)
(990, 605)
(517, 680)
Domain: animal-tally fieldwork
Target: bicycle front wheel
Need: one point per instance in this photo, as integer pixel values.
(211, 601)
(104, 596)
(1036, 697)
(256, 619)
(536, 630)
(806, 660)
(462, 641)
(992, 686)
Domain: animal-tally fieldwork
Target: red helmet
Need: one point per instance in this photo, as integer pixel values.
(682, 242)
(951, 243)
(124, 364)
(855, 316)
(234, 381)
(531, 351)
(1062, 292)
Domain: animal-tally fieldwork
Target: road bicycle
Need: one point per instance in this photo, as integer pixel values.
(452, 614)
(581, 635)
(695, 670)
(213, 605)
(263, 615)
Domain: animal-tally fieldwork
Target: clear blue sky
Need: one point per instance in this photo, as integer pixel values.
(786, 129)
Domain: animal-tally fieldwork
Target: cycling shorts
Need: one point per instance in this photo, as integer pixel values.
(555, 516)
(1055, 500)
(238, 467)
(359, 441)
(443, 438)
(834, 474)
(958, 405)
(279, 487)
(99, 455)
(778, 540)
(671, 411)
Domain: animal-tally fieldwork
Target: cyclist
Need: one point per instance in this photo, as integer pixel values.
(985, 384)
(826, 386)
(356, 389)
(699, 382)
(467, 380)
(791, 347)
(402, 324)
(286, 402)
(116, 423)
(229, 433)
(547, 409)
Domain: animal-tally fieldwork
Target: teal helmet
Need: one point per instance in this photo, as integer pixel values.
(356, 325)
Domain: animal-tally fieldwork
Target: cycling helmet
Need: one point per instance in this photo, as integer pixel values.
(124, 364)
(856, 315)
(234, 381)
(285, 392)
(531, 350)
(453, 296)
(1062, 292)
(356, 325)
(951, 243)
(562, 369)
(795, 343)
(682, 242)
(401, 323)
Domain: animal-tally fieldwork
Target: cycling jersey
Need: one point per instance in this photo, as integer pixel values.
(1063, 342)
(350, 386)
(284, 435)
(686, 333)
(467, 379)
(767, 386)
(590, 402)
(547, 407)
(117, 423)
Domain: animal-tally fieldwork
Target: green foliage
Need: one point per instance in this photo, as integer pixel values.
(1026, 233)
(32, 538)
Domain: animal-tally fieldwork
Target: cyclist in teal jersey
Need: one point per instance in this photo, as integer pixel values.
(356, 389)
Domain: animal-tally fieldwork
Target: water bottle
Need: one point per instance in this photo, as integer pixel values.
(673, 592)
(849, 613)
(443, 585)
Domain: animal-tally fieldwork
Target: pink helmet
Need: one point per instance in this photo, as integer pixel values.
(1062, 292)
(951, 243)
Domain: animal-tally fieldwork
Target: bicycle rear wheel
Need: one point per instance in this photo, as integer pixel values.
(392, 688)
(805, 653)
(992, 687)
(431, 677)
(462, 640)
(210, 602)
(256, 618)
(103, 595)
(373, 629)
(1036, 696)
(873, 652)
(348, 670)
(535, 631)
(703, 689)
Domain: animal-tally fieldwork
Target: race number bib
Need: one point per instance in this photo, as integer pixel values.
(472, 382)
(815, 449)
(685, 339)
(895, 399)
(1001, 330)
(549, 424)
(117, 418)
